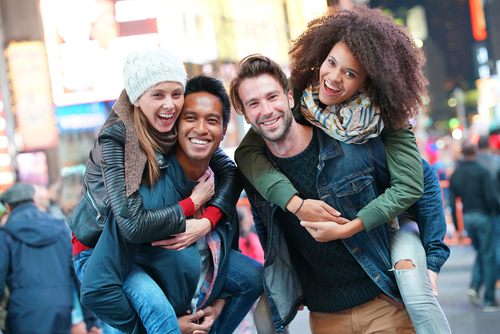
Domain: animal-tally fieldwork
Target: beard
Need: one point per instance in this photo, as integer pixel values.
(277, 134)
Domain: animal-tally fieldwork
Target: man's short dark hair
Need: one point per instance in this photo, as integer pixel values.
(484, 142)
(202, 83)
(468, 150)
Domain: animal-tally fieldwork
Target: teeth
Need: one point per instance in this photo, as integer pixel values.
(330, 86)
(198, 142)
(270, 122)
(167, 116)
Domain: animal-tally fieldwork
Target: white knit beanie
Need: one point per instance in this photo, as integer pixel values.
(145, 69)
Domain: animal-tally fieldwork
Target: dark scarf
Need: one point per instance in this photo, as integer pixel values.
(135, 157)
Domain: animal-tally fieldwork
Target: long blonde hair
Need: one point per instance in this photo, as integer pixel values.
(148, 145)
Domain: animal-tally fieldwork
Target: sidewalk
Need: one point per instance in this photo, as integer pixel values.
(453, 283)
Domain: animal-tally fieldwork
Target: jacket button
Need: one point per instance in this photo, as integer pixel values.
(160, 161)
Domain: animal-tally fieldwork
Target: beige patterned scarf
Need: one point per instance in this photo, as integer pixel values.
(353, 121)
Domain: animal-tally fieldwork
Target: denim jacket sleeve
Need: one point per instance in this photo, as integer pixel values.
(405, 167)
(429, 215)
(107, 268)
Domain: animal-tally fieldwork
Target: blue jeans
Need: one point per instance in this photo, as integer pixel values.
(243, 281)
(497, 244)
(480, 229)
(414, 286)
(145, 296)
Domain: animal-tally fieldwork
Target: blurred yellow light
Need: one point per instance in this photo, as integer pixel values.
(452, 102)
(476, 118)
(419, 43)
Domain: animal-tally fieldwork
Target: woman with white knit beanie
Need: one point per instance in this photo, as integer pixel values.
(128, 152)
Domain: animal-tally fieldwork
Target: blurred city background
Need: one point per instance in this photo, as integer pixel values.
(62, 65)
(61, 72)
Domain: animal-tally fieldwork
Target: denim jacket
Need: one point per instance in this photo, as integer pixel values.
(349, 177)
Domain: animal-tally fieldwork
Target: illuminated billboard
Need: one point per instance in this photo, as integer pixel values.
(31, 97)
(87, 41)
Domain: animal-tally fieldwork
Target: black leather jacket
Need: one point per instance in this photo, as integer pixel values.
(138, 225)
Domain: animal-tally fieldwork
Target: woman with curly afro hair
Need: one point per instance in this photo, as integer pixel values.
(356, 75)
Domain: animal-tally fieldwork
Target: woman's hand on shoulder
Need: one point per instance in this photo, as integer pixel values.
(204, 191)
(195, 229)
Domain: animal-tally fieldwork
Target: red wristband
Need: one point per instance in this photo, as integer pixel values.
(187, 206)
(77, 245)
(214, 214)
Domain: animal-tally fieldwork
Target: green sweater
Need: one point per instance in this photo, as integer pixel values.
(403, 162)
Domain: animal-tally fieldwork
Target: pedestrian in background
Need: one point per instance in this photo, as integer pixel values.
(474, 184)
(491, 162)
(36, 266)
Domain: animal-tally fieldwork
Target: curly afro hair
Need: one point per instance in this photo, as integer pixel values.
(384, 49)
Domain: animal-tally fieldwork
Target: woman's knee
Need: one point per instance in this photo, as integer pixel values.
(404, 265)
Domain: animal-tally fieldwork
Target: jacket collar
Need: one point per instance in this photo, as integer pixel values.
(328, 147)
(176, 174)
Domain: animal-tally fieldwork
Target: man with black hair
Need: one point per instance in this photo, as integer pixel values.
(474, 184)
(36, 266)
(208, 283)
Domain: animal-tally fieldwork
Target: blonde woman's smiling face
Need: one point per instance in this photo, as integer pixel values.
(341, 76)
(162, 104)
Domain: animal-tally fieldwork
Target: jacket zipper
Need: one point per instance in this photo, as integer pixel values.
(95, 206)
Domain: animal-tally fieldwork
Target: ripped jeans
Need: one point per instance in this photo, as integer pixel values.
(414, 285)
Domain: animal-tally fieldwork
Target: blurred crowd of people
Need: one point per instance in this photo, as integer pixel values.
(471, 183)
(43, 205)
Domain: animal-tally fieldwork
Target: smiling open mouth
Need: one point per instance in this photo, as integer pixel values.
(198, 141)
(270, 122)
(331, 89)
(165, 117)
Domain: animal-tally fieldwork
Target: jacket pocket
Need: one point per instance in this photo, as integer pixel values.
(354, 192)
